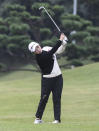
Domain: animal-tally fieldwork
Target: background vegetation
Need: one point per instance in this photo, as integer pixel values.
(21, 22)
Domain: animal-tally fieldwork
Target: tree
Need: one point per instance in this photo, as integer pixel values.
(23, 22)
(85, 36)
(14, 36)
(89, 9)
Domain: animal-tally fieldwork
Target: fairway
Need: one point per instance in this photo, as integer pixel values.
(20, 94)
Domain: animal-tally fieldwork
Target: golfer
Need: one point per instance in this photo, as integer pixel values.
(52, 80)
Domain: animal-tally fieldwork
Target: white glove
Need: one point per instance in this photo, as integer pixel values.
(64, 42)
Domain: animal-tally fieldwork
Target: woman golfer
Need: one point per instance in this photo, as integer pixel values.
(52, 80)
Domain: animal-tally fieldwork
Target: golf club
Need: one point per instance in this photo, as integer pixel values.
(42, 7)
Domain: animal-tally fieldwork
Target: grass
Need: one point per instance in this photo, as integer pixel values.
(20, 94)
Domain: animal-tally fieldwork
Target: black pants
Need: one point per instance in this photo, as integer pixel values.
(55, 85)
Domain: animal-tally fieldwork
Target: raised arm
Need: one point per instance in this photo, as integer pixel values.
(62, 47)
(58, 44)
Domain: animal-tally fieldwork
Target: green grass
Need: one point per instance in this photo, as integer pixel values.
(20, 94)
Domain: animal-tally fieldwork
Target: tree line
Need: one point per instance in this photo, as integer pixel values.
(21, 22)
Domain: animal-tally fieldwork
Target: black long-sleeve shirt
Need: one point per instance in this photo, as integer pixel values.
(45, 59)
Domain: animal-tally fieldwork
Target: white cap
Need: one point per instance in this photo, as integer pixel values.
(32, 46)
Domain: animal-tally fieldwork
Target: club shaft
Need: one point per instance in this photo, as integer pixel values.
(52, 20)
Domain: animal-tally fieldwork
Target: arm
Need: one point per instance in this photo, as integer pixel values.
(54, 49)
(58, 44)
(62, 47)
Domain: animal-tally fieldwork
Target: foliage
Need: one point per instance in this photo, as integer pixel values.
(91, 40)
(45, 33)
(19, 29)
(93, 30)
(80, 35)
(3, 67)
(89, 9)
(23, 22)
(76, 62)
(95, 58)
(74, 52)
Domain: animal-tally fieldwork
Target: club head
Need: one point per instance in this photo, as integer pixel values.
(42, 7)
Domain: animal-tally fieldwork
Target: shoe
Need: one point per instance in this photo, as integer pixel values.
(38, 121)
(56, 122)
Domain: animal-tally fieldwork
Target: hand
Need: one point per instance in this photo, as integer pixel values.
(64, 41)
(62, 36)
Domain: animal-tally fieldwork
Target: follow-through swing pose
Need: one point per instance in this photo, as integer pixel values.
(51, 80)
